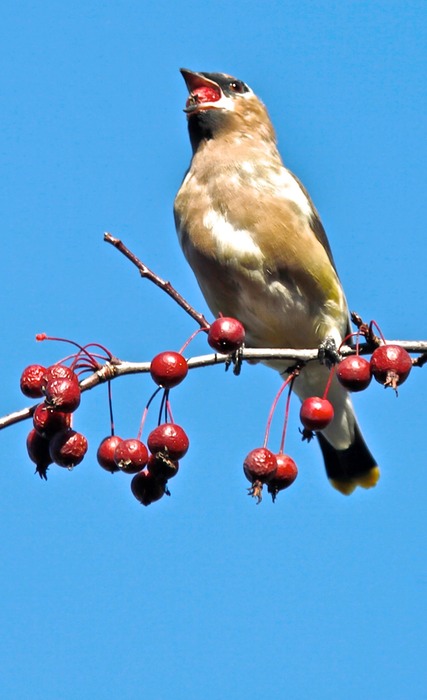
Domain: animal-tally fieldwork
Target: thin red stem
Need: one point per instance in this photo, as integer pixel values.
(328, 383)
(285, 422)
(273, 408)
(192, 336)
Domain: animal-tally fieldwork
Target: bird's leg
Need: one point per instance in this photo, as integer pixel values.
(328, 353)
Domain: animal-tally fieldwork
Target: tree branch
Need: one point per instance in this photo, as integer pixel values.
(118, 368)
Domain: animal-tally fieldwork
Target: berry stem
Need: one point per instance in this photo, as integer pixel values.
(374, 324)
(145, 412)
(110, 406)
(329, 382)
(273, 408)
(192, 336)
(285, 422)
(169, 412)
(163, 407)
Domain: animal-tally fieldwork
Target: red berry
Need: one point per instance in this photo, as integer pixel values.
(316, 413)
(58, 371)
(169, 438)
(162, 467)
(63, 394)
(168, 368)
(226, 335)
(354, 373)
(285, 475)
(47, 422)
(31, 381)
(131, 455)
(38, 452)
(390, 365)
(105, 453)
(146, 488)
(68, 448)
(260, 466)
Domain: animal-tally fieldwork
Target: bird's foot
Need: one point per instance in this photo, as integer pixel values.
(236, 359)
(328, 354)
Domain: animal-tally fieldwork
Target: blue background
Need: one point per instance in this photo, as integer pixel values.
(204, 594)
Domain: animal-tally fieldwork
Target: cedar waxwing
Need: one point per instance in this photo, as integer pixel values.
(260, 254)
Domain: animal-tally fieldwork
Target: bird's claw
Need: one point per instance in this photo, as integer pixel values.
(328, 354)
(236, 359)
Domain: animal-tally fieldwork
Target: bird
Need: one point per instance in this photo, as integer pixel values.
(259, 252)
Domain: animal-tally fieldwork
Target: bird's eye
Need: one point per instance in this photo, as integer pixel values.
(237, 86)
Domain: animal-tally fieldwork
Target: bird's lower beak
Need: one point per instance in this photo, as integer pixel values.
(203, 92)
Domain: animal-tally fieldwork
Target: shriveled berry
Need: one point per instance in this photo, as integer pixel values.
(105, 453)
(63, 394)
(226, 335)
(354, 373)
(38, 452)
(68, 448)
(131, 455)
(47, 422)
(285, 475)
(58, 371)
(168, 369)
(146, 488)
(162, 467)
(316, 413)
(31, 381)
(390, 365)
(260, 466)
(168, 438)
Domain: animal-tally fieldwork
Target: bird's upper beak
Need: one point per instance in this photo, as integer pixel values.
(203, 92)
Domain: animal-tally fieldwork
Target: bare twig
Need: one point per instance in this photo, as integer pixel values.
(158, 281)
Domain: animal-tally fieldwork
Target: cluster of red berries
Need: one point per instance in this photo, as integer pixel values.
(155, 463)
(53, 440)
(389, 365)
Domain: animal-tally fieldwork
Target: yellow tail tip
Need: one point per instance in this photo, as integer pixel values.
(366, 481)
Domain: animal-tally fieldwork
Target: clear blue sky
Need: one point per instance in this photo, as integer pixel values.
(204, 595)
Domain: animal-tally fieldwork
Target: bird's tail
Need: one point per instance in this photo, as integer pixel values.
(351, 467)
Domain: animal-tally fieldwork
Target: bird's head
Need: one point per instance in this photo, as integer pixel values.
(220, 105)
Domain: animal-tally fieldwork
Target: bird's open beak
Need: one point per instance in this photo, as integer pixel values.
(203, 92)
